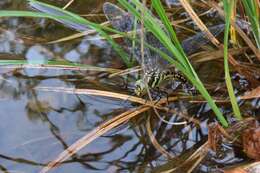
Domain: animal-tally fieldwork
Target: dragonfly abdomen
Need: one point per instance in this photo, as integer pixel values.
(170, 74)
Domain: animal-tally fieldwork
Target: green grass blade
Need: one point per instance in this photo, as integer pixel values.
(252, 11)
(157, 5)
(47, 8)
(55, 65)
(228, 7)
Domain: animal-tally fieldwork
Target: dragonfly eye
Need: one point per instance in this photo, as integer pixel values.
(139, 88)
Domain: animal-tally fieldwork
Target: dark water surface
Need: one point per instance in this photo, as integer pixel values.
(35, 126)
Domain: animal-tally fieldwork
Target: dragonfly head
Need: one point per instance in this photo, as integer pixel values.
(140, 87)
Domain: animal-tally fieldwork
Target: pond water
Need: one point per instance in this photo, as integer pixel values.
(36, 126)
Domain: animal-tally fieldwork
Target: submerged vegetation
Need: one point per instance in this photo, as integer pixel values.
(150, 39)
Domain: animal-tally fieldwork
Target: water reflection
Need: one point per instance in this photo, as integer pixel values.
(44, 124)
(10, 43)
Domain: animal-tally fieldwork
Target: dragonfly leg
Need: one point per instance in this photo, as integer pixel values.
(193, 91)
(159, 95)
(167, 97)
(190, 89)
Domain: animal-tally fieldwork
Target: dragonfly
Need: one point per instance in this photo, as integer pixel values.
(156, 69)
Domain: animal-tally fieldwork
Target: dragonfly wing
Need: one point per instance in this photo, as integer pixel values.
(124, 22)
(192, 44)
(152, 60)
(157, 61)
(119, 19)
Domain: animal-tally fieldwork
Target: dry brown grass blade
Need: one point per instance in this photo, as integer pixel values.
(255, 93)
(240, 32)
(126, 71)
(176, 22)
(197, 157)
(154, 104)
(154, 140)
(77, 35)
(72, 37)
(85, 33)
(94, 134)
(97, 93)
(68, 4)
(197, 20)
(205, 56)
(192, 162)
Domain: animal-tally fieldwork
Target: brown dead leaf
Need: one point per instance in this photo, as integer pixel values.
(255, 93)
(251, 142)
(236, 170)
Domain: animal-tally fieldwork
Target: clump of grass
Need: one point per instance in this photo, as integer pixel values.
(252, 11)
(172, 44)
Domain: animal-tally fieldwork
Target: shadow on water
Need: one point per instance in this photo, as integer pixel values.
(36, 126)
